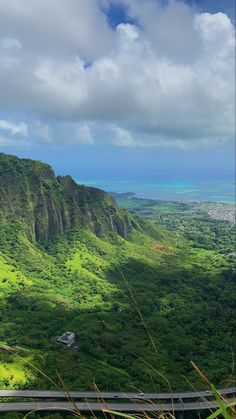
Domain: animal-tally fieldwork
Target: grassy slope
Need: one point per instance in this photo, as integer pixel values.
(86, 284)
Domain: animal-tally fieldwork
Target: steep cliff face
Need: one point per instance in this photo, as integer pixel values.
(51, 205)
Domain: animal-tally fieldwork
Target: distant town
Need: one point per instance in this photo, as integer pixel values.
(151, 207)
(219, 211)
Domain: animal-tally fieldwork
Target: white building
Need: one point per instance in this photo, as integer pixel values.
(68, 338)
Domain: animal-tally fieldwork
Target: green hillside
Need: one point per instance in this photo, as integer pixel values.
(51, 205)
(142, 304)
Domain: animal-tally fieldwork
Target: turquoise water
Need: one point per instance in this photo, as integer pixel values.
(215, 191)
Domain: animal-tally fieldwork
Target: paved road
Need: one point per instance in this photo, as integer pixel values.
(95, 407)
(113, 395)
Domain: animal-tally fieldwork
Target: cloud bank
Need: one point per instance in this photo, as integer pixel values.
(167, 80)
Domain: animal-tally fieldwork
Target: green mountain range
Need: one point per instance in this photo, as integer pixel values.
(52, 205)
(143, 300)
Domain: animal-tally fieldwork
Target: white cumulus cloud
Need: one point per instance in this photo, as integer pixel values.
(14, 129)
(165, 80)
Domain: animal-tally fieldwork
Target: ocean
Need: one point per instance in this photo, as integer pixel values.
(214, 191)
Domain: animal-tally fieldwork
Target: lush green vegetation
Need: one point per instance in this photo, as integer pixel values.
(190, 220)
(142, 305)
(108, 291)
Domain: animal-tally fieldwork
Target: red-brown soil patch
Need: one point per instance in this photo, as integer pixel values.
(162, 248)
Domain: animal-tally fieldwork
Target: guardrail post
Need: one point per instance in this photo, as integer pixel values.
(180, 413)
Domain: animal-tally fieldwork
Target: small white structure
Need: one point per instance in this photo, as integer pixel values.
(68, 338)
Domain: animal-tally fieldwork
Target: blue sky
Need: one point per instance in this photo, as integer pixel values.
(131, 89)
(117, 12)
(214, 6)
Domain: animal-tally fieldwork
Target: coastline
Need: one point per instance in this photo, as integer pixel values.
(221, 211)
(175, 191)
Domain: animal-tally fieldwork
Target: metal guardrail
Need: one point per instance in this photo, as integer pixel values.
(96, 407)
(114, 394)
(134, 402)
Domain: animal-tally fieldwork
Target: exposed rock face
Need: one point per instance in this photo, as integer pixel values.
(51, 205)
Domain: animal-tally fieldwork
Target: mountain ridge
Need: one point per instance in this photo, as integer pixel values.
(51, 205)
